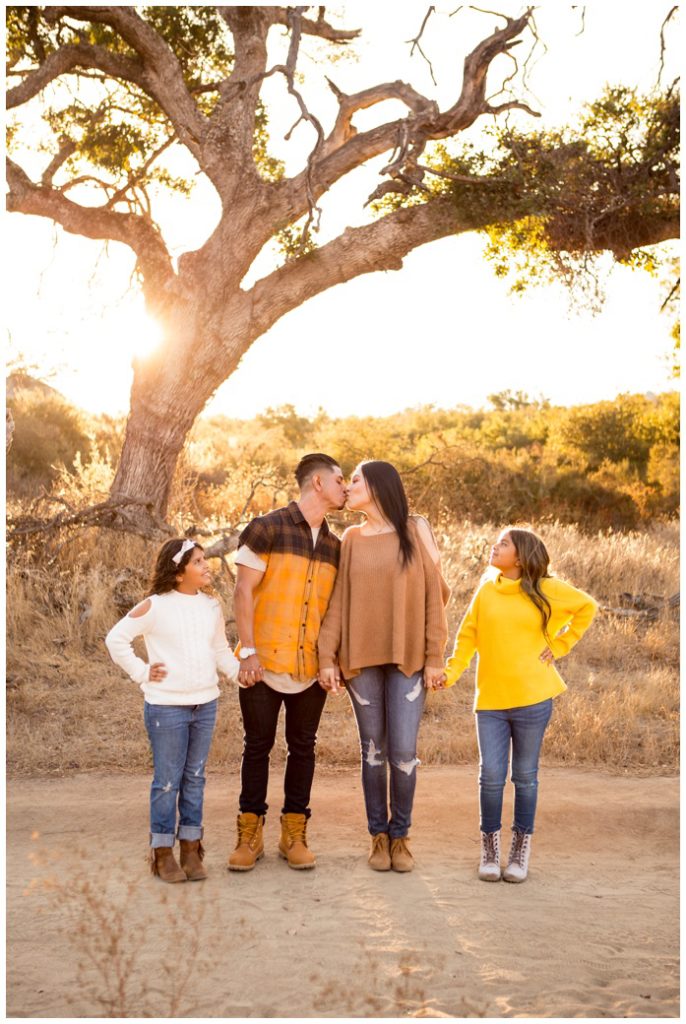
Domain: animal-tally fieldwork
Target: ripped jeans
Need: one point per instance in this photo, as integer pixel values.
(180, 737)
(388, 707)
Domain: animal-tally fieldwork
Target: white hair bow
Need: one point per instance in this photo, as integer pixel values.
(186, 546)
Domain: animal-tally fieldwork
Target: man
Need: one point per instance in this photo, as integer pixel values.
(287, 562)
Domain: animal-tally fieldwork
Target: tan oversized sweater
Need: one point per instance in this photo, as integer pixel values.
(381, 613)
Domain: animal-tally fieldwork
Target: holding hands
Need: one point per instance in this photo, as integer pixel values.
(330, 679)
(434, 678)
(251, 671)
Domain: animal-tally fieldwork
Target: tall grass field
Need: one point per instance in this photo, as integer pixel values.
(70, 709)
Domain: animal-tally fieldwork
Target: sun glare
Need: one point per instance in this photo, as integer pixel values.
(103, 350)
(138, 331)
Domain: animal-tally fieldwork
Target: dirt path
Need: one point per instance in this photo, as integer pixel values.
(593, 933)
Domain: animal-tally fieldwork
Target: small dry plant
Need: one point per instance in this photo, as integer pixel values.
(128, 962)
(402, 986)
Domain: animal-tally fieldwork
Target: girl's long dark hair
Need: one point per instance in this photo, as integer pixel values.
(165, 571)
(386, 488)
(534, 560)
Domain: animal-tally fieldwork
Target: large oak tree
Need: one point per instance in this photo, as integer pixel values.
(120, 87)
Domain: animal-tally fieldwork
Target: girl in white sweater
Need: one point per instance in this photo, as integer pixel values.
(186, 644)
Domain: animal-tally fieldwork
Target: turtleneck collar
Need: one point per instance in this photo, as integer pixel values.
(507, 586)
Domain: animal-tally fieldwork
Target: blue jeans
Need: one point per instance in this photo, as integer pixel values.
(524, 727)
(180, 737)
(388, 707)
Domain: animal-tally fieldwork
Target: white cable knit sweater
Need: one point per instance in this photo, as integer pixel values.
(186, 633)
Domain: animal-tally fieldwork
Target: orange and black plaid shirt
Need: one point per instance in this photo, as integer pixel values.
(293, 594)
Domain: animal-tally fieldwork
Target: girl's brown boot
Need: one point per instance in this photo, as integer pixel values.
(192, 853)
(163, 864)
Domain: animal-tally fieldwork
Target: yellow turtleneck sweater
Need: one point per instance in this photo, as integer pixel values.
(505, 628)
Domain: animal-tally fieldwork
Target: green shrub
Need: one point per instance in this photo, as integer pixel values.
(48, 434)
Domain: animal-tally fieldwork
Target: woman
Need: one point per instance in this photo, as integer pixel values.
(384, 634)
(520, 619)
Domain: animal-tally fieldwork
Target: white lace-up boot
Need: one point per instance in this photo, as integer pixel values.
(518, 861)
(489, 868)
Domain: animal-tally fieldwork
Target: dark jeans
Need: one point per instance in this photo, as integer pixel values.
(388, 708)
(524, 728)
(260, 707)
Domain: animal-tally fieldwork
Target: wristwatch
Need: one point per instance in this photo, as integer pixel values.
(246, 652)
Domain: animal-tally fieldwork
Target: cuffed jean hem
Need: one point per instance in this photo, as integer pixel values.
(299, 810)
(159, 839)
(191, 832)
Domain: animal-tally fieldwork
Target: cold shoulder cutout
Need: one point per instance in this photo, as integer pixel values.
(141, 609)
(427, 537)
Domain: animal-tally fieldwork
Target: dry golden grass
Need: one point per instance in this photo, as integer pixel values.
(69, 708)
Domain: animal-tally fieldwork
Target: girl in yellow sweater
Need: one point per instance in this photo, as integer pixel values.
(519, 621)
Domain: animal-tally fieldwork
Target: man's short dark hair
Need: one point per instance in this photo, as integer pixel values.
(309, 464)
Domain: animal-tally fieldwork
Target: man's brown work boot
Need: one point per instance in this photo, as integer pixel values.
(250, 845)
(293, 842)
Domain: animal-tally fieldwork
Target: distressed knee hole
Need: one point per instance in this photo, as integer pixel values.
(168, 788)
(408, 766)
(374, 755)
(360, 700)
(414, 692)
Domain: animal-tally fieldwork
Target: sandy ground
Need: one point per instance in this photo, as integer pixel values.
(593, 933)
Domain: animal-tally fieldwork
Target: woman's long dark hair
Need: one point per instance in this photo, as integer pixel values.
(165, 571)
(534, 560)
(386, 488)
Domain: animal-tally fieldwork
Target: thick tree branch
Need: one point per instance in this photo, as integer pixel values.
(384, 244)
(70, 58)
(378, 246)
(406, 137)
(343, 129)
(625, 231)
(234, 115)
(163, 73)
(121, 513)
(93, 222)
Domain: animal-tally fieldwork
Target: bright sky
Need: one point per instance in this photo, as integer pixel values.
(443, 330)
